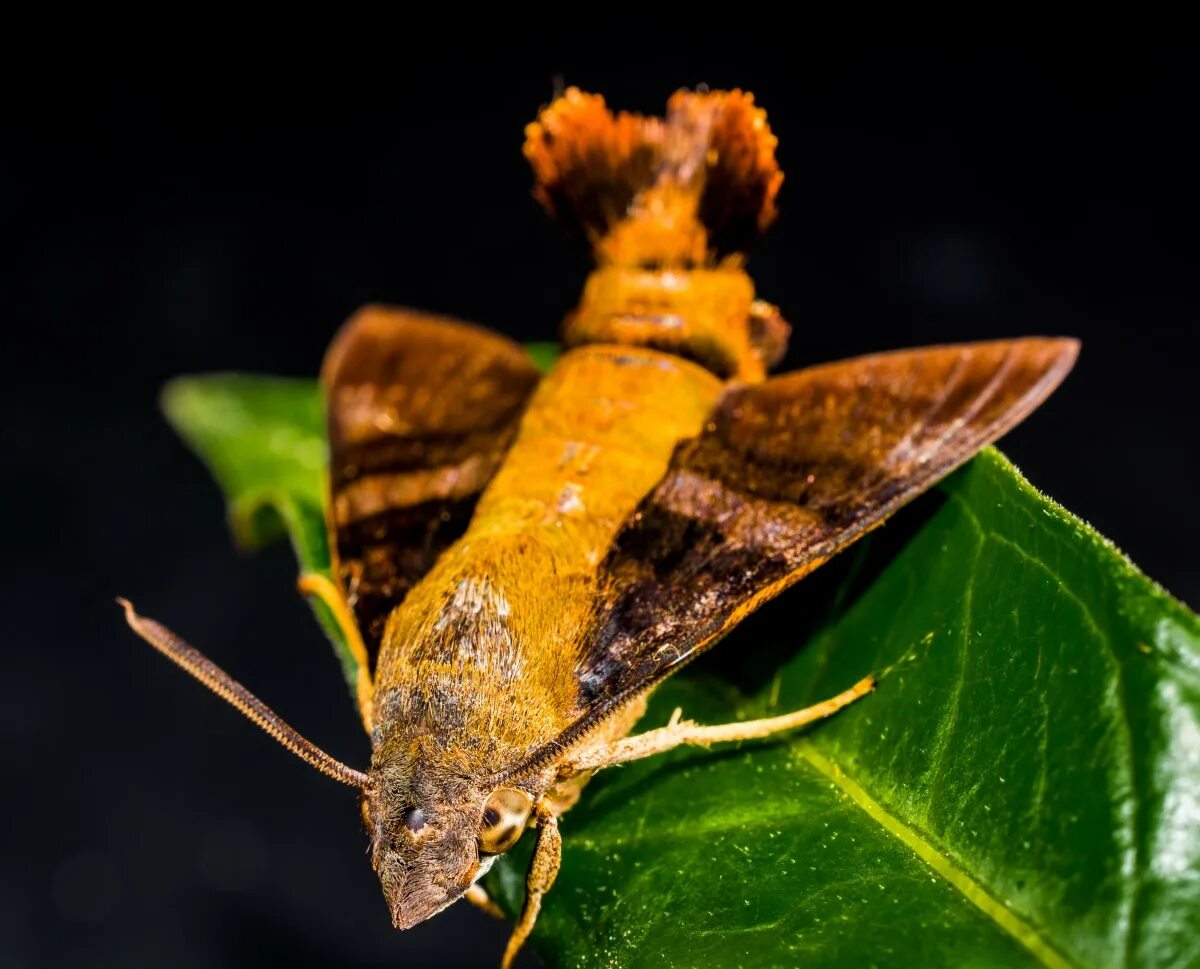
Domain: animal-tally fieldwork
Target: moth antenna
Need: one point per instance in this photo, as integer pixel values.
(230, 690)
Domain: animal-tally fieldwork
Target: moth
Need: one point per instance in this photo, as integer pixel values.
(519, 560)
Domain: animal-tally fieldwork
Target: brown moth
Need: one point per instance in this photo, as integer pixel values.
(519, 561)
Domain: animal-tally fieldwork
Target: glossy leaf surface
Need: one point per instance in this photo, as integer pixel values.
(1022, 789)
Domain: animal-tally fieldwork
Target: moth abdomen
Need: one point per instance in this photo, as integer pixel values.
(670, 206)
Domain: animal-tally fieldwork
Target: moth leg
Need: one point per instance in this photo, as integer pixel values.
(547, 856)
(322, 588)
(477, 895)
(686, 732)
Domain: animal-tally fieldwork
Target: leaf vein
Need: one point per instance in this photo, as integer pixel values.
(961, 880)
(1133, 819)
(950, 721)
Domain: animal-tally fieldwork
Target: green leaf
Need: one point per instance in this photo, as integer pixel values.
(543, 355)
(263, 439)
(1022, 789)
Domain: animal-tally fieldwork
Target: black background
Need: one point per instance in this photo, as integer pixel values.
(214, 213)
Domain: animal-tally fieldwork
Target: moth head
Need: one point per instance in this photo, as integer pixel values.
(435, 832)
(437, 821)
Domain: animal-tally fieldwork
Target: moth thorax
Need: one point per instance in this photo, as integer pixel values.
(707, 315)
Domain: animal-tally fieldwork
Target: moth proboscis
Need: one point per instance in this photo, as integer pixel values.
(519, 560)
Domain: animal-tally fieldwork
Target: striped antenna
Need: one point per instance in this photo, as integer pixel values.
(230, 690)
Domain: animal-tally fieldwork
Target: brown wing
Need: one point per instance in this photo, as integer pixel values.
(421, 410)
(785, 474)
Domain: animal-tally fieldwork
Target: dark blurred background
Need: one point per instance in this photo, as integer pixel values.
(217, 212)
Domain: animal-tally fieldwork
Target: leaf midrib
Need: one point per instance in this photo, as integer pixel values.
(959, 879)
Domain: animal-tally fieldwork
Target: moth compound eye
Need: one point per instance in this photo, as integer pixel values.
(504, 818)
(414, 819)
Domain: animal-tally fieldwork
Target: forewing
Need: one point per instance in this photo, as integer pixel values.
(421, 410)
(785, 474)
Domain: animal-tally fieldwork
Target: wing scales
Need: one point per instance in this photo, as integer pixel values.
(785, 474)
(421, 411)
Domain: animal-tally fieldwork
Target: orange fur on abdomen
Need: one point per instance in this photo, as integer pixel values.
(499, 616)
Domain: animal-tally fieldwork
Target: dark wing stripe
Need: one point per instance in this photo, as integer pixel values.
(387, 455)
(785, 474)
(421, 411)
(381, 557)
